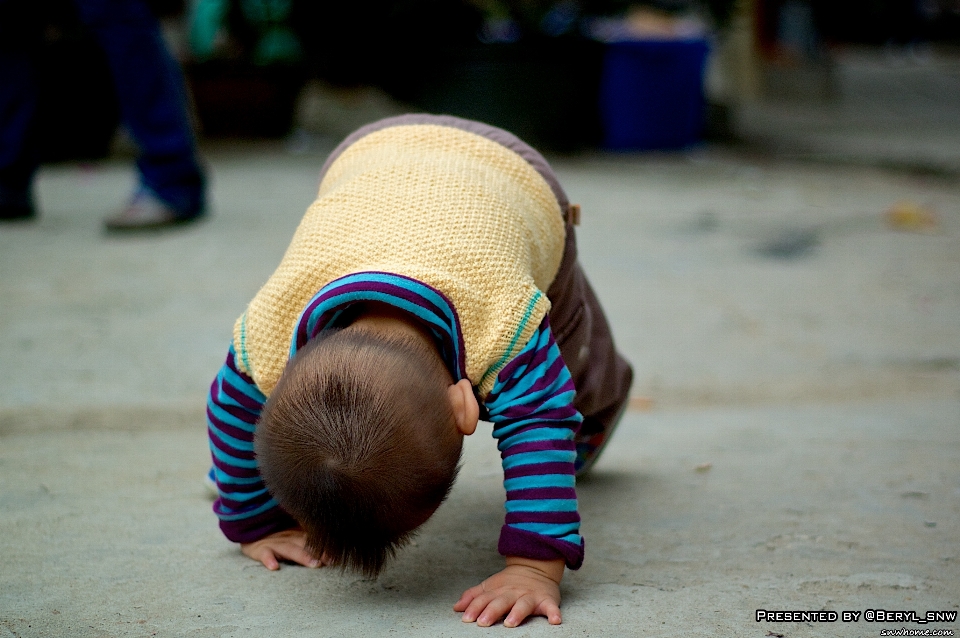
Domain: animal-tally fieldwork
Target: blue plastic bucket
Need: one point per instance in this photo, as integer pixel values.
(651, 94)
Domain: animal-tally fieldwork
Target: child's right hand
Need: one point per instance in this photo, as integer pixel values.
(525, 587)
(286, 545)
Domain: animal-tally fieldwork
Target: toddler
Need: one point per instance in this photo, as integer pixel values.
(432, 283)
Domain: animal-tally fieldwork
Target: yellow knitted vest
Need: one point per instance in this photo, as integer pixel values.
(449, 208)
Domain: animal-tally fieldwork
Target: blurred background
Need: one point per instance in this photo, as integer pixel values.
(566, 75)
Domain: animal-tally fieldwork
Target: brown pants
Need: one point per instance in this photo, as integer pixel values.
(601, 376)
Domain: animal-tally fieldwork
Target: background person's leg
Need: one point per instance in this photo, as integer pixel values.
(19, 39)
(152, 97)
(18, 159)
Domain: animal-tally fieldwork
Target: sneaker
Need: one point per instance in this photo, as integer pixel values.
(146, 211)
(210, 483)
(590, 443)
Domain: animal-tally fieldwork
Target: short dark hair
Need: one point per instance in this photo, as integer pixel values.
(358, 443)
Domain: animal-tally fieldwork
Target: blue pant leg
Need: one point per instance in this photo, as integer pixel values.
(152, 97)
(18, 106)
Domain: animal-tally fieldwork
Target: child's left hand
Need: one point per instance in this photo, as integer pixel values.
(525, 587)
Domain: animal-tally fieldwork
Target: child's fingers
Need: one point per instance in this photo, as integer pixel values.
(297, 554)
(521, 609)
(269, 560)
(466, 597)
(551, 610)
(477, 606)
(496, 609)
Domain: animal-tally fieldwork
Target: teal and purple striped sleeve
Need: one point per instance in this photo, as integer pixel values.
(246, 510)
(531, 408)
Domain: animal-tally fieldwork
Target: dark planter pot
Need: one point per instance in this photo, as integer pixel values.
(543, 91)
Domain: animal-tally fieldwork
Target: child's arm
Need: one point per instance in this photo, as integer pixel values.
(531, 407)
(246, 510)
(525, 587)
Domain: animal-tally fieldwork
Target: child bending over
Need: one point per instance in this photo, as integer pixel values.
(432, 283)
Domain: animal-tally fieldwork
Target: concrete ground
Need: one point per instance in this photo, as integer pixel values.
(884, 108)
(793, 441)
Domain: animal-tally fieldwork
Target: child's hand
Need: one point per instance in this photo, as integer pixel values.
(525, 587)
(286, 545)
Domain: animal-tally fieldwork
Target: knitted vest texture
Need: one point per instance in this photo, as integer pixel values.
(449, 208)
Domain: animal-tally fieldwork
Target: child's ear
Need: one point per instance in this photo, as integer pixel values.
(465, 406)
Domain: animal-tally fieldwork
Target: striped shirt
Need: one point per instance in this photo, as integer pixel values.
(530, 406)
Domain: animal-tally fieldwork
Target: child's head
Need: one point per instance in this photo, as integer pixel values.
(359, 443)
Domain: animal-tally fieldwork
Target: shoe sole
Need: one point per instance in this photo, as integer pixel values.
(119, 227)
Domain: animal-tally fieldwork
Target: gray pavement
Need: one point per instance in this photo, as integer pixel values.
(793, 442)
(886, 109)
